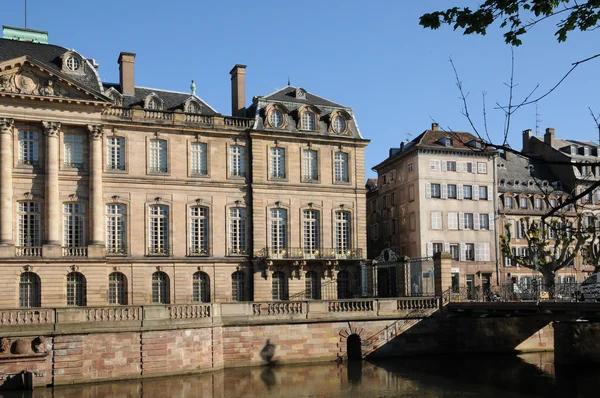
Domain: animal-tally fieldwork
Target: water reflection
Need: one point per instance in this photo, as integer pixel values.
(531, 375)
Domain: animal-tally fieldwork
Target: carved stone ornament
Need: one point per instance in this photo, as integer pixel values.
(6, 125)
(27, 82)
(22, 347)
(96, 131)
(51, 129)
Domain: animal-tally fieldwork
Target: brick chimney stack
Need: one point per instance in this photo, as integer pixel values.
(127, 73)
(549, 136)
(238, 90)
(526, 139)
(435, 126)
(506, 155)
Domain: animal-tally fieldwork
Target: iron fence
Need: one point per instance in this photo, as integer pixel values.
(563, 291)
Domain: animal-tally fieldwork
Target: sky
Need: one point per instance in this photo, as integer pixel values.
(371, 56)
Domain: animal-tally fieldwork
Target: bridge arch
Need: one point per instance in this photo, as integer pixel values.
(353, 347)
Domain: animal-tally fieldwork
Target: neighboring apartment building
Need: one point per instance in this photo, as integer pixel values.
(435, 193)
(119, 194)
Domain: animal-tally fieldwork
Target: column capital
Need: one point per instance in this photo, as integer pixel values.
(96, 131)
(6, 125)
(51, 129)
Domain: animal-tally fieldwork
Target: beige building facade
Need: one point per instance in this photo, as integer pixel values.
(121, 194)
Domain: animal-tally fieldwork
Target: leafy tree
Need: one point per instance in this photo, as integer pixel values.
(518, 16)
(550, 246)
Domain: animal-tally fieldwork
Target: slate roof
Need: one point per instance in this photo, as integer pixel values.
(371, 184)
(49, 55)
(171, 99)
(562, 143)
(529, 174)
(287, 94)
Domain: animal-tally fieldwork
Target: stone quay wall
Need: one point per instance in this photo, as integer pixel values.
(78, 345)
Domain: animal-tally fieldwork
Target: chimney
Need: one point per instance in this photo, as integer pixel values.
(526, 139)
(238, 90)
(127, 73)
(549, 136)
(435, 126)
(506, 155)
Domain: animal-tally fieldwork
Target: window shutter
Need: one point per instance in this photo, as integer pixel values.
(444, 165)
(486, 251)
(432, 165)
(478, 250)
(458, 168)
(447, 247)
(476, 221)
(463, 252)
(492, 221)
(474, 167)
(428, 189)
(429, 247)
(461, 220)
(490, 192)
(460, 193)
(444, 191)
(452, 222)
(475, 192)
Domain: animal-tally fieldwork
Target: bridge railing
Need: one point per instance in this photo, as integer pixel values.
(563, 291)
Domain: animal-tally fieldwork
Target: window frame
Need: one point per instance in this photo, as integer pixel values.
(242, 173)
(123, 249)
(35, 160)
(303, 122)
(107, 154)
(345, 164)
(201, 292)
(83, 221)
(191, 172)
(311, 179)
(30, 290)
(34, 216)
(158, 171)
(233, 248)
(160, 294)
(76, 289)
(271, 175)
(158, 251)
(196, 248)
(118, 289)
(73, 165)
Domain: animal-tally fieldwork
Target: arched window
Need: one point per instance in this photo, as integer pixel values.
(76, 290)
(279, 286)
(343, 285)
(308, 121)
(117, 288)
(238, 286)
(201, 288)
(160, 288)
(313, 285)
(30, 294)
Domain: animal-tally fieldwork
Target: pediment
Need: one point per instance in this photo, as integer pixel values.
(25, 77)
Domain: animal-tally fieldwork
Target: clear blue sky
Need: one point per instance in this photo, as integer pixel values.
(369, 55)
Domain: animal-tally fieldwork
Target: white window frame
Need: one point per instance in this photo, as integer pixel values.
(74, 224)
(342, 232)
(158, 158)
(237, 159)
(436, 220)
(73, 151)
(28, 148)
(311, 221)
(481, 168)
(199, 158)
(158, 230)
(199, 232)
(29, 224)
(310, 165)
(237, 231)
(341, 167)
(277, 163)
(308, 121)
(115, 153)
(278, 231)
(116, 228)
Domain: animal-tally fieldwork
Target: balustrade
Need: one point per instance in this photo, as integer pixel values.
(158, 115)
(200, 119)
(74, 251)
(190, 311)
(238, 122)
(113, 314)
(28, 251)
(310, 253)
(420, 303)
(350, 306)
(26, 317)
(118, 112)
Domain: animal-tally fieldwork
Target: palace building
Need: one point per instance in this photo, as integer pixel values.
(116, 194)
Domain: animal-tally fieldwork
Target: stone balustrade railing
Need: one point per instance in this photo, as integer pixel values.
(207, 313)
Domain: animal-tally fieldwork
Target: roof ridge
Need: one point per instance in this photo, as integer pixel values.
(179, 92)
(276, 91)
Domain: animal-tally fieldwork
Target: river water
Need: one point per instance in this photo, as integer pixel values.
(506, 376)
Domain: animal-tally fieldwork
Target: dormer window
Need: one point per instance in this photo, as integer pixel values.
(308, 121)
(300, 93)
(152, 102)
(73, 63)
(448, 141)
(573, 149)
(193, 107)
(586, 151)
(475, 144)
(275, 118)
(339, 125)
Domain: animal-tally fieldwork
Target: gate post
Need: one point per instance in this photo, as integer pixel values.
(442, 266)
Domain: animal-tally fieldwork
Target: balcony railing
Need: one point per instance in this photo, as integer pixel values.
(158, 251)
(161, 170)
(115, 167)
(313, 253)
(158, 115)
(29, 162)
(28, 251)
(238, 122)
(237, 252)
(116, 251)
(73, 165)
(74, 251)
(118, 112)
(199, 252)
(196, 118)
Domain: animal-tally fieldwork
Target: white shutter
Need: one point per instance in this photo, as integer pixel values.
(463, 252)
(447, 247)
(429, 247)
(460, 193)
(465, 167)
(476, 221)
(492, 220)
(474, 167)
(486, 251)
(444, 165)
(490, 192)
(478, 250)
(461, 220)
(452, 221)
(458, 167)
(475, 192)
(444, 191)
(428, 189)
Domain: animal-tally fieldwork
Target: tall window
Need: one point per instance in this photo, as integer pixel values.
(29, 224)
(116, 232)
(277, 162)
(238, 286)
(278, 231)
(158, 233)
(483, 192)
(158, 156)
(310, 165)
(117, 288)
(160, 288)
(73, 150)
(279, 286)
(468, 218)
(343, 285)
(451, 191)
(236, 158)
(470, 251)
(341, 167)
(199, 231)
(313, 285)
(76, 290)
(201, 288)
(73, 215)
(237, 231)
(199, 159)
(308, 121)
(30, 294)
(115, 153)
(342, 232)
(310, 232)
(467, 191)
(28, 148)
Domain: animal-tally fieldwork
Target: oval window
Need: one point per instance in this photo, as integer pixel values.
(275, 118)
(73, 63)
(339, 125)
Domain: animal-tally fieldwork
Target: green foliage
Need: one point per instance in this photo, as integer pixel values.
(518, 16)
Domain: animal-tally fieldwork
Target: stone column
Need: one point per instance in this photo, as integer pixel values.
(6, 187)
(97, 244)
(442, 265)
(52, 248)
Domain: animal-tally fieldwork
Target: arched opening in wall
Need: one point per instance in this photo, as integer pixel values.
(353, 347)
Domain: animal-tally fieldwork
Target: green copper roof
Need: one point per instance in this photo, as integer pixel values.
(22, 34)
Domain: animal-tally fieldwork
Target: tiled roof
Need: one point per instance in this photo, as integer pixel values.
(287, 94)
(49, 56)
